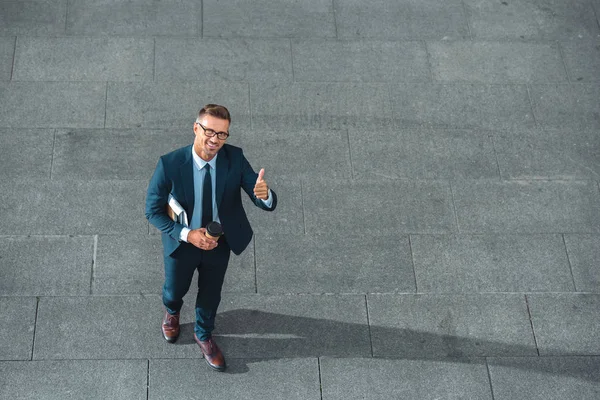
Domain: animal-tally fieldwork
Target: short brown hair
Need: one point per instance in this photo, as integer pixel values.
(216, 111)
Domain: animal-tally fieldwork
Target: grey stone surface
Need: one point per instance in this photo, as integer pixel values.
(171, 105)
(7, 50)
(566, 323)
(527, 206)
(404, 379)
(337, 263)
(450, 325)
(108, 327)
(288, 217)
(420, 153)
(285, 379)
(34, 157)
(378, 207)
(281, 106)
(83, 59)
(52, 104)
(461, 106)
(134, 264)
(72, 207)
(491, 263)
(547, 378)
(584, 253)
(567, 153)
(492, 62)
(582, 59)
(531, 19)
(257, 326)
(403, 19)
(358, 60)
(45, 266)
(566, 106)
(224, 59)
(298, 153)
(134, 17)
(17, 324)
(263, 18)
(113, 154)
(32, 17)
(82, 379)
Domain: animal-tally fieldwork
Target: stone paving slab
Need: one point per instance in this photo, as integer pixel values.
(421, 153)
(450, 325)
(566, 323)
(584, 253)
(52, 104)
(582, 59)
(526, 19)
(170, 105)
(527, 206)
(288, 217)
(83, 59)
(547, 378)
(113, 154)
(284, 379)
(263, 18)
(82, 379)
(17, 326)
(492, 62)
(399, 206)
(257, 326)
(72, 207)
(35, 162)
(134, 17)
(229, 60)
(298, 153)
(405, 19)
(345, 263)
(281, 106)
(32, 17)
(359, 60)
(404, 379)
(461, 106)
(108, 327)
(548, 154)
(491, 263)
(134, 264)
(7, 50)
(45, 266)
(566, 106)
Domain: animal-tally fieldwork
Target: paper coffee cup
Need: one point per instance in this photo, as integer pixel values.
(214, 230)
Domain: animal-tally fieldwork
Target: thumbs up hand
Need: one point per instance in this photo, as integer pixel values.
(261, 190)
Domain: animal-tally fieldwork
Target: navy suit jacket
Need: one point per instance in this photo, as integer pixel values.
(174, 175)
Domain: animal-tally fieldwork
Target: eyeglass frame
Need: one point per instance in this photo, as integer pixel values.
(206, 132)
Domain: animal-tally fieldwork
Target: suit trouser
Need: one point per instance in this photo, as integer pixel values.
(179, 271)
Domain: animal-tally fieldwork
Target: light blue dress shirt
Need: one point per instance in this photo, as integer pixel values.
(199, 173)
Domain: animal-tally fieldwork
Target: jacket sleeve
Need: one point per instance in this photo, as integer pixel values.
(249, 178)
(156, 203)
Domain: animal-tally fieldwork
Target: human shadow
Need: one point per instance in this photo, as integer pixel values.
(247, 336)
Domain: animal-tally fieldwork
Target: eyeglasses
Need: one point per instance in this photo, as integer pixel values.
(211, 133)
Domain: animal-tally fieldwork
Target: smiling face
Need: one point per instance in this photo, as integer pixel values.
(208, 147)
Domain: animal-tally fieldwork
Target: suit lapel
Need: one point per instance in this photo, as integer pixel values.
(187, 178)
(222, 171)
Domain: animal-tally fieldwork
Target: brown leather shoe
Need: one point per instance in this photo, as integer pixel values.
(211, 353)
(170, 327)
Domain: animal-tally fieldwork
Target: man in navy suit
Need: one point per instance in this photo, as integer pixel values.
(205, 178)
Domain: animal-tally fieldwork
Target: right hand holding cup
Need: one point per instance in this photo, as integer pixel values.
(198, 238)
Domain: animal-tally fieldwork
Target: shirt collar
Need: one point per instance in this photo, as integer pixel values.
(200, 163)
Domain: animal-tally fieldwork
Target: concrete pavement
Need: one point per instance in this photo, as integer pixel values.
(437, 164)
